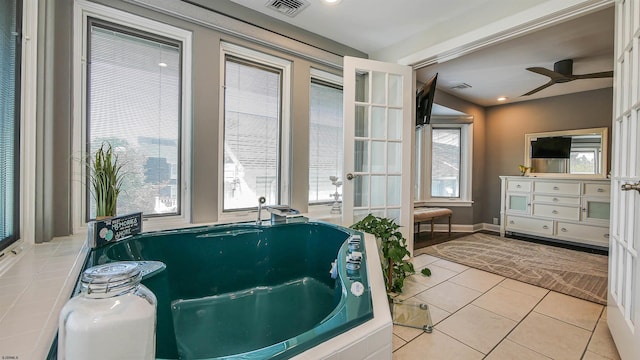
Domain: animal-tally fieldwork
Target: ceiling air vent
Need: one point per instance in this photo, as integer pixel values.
(290, 8)
(460, 86)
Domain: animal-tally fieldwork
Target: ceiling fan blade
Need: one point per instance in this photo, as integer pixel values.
(604, 74)
(539, 88)
(546, 72)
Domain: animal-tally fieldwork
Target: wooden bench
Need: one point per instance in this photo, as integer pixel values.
(423, 214)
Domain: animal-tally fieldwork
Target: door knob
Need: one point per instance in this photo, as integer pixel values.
(627, 187)
(350, 176)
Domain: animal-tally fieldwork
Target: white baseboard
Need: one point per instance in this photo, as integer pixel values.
(490, 227)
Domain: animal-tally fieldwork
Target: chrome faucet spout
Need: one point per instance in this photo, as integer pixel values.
(261, 200)
(281, 213)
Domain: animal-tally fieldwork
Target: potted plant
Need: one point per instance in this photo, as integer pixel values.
(105, 173)
(523, 169)
(393, 249)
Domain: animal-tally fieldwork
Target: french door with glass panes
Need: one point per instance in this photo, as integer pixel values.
(378, 138)
(623, 303)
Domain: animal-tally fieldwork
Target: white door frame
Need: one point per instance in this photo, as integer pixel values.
(623, 300)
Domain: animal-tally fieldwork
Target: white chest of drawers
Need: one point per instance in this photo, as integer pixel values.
(567, 210)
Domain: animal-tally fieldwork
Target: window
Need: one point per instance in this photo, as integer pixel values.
(586, 152)
(325, 136)
(255, 129)
(443, 161)
(583, 162)
(132, 87)
(10, 29)
(133, 102)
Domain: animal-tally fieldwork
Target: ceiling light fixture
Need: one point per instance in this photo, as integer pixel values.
(332, 2)
(502, 98)
(162, 64)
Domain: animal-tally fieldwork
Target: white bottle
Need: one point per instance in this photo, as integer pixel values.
(113, 317)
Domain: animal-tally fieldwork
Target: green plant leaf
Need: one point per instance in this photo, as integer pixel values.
(426, 272)
(106, 179)
(392, 247)
(396, 253)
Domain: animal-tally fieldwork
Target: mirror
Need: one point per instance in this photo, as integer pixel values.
(571, 153)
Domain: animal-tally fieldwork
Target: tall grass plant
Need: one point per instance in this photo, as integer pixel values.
(106, 178)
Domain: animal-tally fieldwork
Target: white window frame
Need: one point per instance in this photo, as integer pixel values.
(337, 80)
(228, 49)
(28, 106)
(326, 77)
(424, 161)
(82, 11)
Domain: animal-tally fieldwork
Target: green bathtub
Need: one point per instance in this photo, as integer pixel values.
(244, 291)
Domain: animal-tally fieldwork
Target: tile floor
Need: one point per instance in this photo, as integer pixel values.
(479, 315)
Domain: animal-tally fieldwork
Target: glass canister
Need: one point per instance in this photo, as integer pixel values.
(113, 317)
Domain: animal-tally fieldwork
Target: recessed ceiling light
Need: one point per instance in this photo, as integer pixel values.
(502, 98)
(332, 2)
(162, 64)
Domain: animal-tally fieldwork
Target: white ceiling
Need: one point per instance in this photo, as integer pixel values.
(500, 70)
(373, 26)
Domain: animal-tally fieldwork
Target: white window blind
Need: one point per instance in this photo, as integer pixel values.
(9, 120)
(325, 140)
(445, 163)
(252, 104)
(133, 102)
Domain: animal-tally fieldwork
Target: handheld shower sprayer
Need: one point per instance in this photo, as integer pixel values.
(261, 201)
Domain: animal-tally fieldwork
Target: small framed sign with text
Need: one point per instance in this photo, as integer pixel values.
(102, 232)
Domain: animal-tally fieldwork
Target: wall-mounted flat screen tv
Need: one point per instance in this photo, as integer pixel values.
(424, 101)
(557, 147)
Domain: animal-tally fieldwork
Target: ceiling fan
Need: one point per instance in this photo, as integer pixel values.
(562, 73)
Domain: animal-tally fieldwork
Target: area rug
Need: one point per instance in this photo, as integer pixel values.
(570, 272)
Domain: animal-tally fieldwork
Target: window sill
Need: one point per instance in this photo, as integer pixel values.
(443, 202)
(41, 279)
(323, 212)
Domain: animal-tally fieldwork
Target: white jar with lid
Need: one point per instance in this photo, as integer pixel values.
(113, 317)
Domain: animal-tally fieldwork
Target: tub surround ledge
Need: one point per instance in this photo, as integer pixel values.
(32, 292)
(368, 341)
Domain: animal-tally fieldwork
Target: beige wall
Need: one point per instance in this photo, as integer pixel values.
(507, 124)
(473, 214)
(498, 139)
(498, 131)
(55, 113)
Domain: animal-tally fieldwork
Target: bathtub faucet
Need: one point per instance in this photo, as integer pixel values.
(282, 213)
(261, 200)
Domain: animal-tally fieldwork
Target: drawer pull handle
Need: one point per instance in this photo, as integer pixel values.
(555, 199)
(606, 235)
(600, 190)
(554, 212)
(518, 186)
(556, 188)
(545, 227)
(563, 229)
(511, 222)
